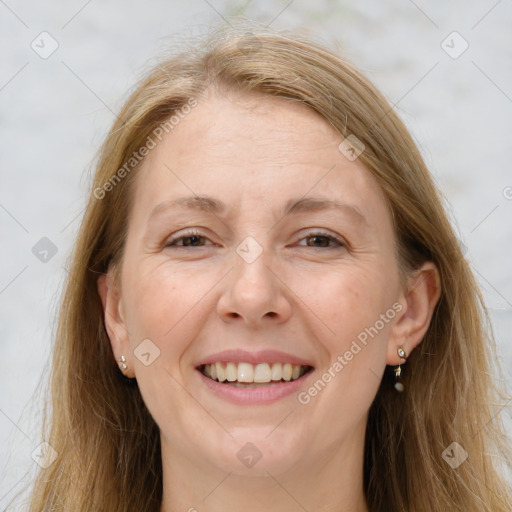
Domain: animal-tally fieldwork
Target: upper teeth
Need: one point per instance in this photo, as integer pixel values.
(246, 372)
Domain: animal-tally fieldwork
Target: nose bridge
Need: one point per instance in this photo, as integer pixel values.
(254, 290)
(253, 269)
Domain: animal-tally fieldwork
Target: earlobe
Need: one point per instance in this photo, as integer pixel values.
(420, 298)
(114, 319)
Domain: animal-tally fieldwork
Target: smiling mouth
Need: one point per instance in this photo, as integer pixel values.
(249, 375)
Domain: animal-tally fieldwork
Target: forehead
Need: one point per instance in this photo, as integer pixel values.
(256, 126)
(253, 150)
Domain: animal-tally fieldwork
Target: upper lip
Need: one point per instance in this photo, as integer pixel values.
(262, 356)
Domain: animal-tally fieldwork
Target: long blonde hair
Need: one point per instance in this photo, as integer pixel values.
(107, 443)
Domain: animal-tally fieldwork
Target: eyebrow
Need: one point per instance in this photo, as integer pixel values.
(293, 206)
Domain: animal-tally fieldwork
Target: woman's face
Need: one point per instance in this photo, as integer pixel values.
(264, 273)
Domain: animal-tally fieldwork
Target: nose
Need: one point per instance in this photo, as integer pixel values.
(254, 293)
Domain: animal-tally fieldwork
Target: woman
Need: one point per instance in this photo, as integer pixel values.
(267, 307)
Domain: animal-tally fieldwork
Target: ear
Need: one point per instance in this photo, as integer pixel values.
(419, 299)
(115, 321)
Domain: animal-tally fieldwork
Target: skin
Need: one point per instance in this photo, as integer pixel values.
(303, 295)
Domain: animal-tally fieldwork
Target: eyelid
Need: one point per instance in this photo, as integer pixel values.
(321, 232)
(192, 232)
(313, 232)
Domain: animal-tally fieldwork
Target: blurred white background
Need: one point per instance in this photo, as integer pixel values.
(454, 91)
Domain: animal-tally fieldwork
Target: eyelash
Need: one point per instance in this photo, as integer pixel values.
(192, 233)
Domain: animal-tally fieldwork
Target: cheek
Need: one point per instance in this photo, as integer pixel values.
(163, 306)
(356, 310)
(161, 299)
(352, 301)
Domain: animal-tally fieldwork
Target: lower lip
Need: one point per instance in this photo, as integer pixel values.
(254, 396)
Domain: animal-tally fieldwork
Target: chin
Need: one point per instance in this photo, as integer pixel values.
(258, 452)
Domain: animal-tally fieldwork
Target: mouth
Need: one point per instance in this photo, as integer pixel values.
(248, 375)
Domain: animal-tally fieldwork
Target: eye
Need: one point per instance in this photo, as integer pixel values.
(190, 238)
(193, 238)
(325, 237)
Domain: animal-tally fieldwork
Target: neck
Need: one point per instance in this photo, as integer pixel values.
(334, 483)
